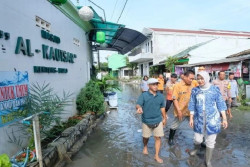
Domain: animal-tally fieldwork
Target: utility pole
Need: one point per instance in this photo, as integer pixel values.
(98, 56)
(36, 129)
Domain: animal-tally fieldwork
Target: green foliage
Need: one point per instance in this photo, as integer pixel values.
(244, 108)
(108, 83)
(90, 99)
(58, 129)
(242, 95)
(103, 67)
(4, 160)
(41, 98)
(170, 63)
(154, 71)
(133, 66)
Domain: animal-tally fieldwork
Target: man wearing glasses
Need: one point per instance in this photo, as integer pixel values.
(151, 105)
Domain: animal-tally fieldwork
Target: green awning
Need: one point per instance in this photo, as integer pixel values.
(108, 28)
(117, 37)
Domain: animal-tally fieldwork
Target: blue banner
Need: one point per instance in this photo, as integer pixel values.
(14, 88)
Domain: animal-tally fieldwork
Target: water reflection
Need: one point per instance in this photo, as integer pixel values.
(117, 141)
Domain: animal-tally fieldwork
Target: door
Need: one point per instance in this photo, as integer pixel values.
(141, 70)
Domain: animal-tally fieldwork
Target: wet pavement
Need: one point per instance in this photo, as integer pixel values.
(117, 141)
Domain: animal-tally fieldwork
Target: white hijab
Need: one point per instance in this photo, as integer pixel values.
(206, 78)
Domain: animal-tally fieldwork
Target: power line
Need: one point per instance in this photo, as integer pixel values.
(122, 11)
(114, 10)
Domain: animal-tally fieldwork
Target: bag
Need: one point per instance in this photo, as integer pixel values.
(152, 126)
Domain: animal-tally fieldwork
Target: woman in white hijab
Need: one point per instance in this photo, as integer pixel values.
(205, 106)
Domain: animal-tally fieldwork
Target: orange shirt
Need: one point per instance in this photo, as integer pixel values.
(169, 89)
(182, 93)
(161, 84)
(195, 83)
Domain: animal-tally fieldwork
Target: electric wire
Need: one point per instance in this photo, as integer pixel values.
(114, 10)
(122, 11)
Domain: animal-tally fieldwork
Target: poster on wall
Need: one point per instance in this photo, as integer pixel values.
(179, 70)
(13, 93)
(235, 68)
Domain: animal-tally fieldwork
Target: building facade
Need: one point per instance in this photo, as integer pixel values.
(49, 43)
(162, 43)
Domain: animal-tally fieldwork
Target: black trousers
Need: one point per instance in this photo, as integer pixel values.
(161, 91)
(168, 104)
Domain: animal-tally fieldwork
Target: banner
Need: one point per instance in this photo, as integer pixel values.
(235, 68)
(217, 67)
(179, 70)
(13, 93)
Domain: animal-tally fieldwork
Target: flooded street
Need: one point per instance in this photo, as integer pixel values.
(117, 141)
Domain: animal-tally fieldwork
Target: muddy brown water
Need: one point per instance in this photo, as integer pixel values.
(117, 141)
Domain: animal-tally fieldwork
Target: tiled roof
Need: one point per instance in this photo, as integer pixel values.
(205, 31)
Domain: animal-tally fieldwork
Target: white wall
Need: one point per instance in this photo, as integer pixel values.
(218, 49)
(145, 69)
(18, 18)
(169, 44)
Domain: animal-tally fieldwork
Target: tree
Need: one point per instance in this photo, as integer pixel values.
(133, 66)
(170, 62)
(103, 66)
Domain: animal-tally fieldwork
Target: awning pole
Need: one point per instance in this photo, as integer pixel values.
(98, 56)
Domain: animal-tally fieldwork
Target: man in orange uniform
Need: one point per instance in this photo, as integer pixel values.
(181, 97)
(169, 91)
(161, 83)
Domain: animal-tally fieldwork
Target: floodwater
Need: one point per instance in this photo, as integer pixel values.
(117, 141)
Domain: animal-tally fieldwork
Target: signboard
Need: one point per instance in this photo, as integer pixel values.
(217, 67)
(179, 70)
(235, 68)
(13, 92)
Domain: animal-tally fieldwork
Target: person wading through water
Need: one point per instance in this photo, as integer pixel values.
(181, 96)
(205, 106)
(169, 91)
(151, 105)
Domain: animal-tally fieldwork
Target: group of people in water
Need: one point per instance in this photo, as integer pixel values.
(196, 99)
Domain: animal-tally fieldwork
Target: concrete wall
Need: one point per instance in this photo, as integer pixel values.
(167, 44)
(145, 69)
(18, 18)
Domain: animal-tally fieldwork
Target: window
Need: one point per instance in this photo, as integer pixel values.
(151, 42)
(76, 42)
(127, 72)
(148, 46)
(42, 23)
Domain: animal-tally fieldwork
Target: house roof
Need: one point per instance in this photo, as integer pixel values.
(218, 49)
(205, 31)
(185, 53)
(245, 52)
(226, 60)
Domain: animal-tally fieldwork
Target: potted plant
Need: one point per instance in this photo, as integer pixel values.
(108, 85)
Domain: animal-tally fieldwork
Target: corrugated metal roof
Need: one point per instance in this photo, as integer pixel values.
(218, 49)
(245, 52)
(205, 31)
(184, 53)
(227, 60)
